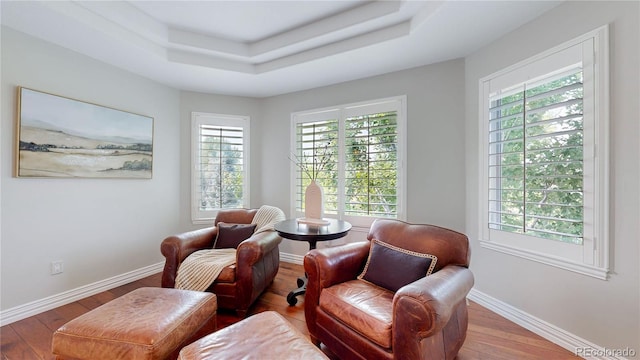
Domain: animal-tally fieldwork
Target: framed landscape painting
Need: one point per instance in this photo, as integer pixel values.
(62, 137)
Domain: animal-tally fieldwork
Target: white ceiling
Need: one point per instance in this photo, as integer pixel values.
(265, 48)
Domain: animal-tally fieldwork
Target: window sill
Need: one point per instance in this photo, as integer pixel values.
(202, 221)
(593, 271)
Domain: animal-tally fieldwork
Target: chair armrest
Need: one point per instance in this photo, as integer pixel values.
(251, 250)
(338, 264)
(257, 262)
(424, 307)
(176, 248)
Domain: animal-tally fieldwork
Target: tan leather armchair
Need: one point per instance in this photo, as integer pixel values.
(426, 319)
(240, 284)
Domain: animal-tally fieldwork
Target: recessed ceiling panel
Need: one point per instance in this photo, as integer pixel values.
(242, 21)
(266, 48)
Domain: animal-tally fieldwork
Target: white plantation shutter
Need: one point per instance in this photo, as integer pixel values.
(371, 165)
(317, 146)
(544, 172)
(536, 159)
(362, 176)
(220, 164)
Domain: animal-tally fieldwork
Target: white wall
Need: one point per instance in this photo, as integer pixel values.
(603, 312)
(435, 163)
(100, 228)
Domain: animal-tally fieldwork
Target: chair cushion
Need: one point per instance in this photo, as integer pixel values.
(227, 275)
(231, 235)
(392, 267)
(365, 308)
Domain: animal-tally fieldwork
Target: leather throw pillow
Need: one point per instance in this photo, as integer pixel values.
(231, 235)
(392, 267)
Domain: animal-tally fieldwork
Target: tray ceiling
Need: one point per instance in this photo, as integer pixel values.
(265, 48)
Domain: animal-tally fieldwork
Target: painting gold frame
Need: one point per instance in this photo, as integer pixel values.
(57, 136)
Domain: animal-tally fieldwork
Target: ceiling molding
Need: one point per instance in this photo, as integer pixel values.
(119, 20)
(129, 17)
(190, 41)
(329, 25)
(336, 47)
(429, 8)
(224, 47)
(371, 23)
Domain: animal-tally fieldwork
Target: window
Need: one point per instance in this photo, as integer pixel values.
(545, 147)
(356, 153)
(220, 164)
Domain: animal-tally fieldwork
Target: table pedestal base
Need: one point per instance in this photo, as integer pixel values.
(302, 288)
(293, 229)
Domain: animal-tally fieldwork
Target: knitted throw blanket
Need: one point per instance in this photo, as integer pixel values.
(200, 269)
(266, 217)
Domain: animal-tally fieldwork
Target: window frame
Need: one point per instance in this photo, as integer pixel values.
(341, 112)
(197, 120)
(592, 258)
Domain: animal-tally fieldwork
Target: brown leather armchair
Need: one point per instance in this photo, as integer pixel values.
(426, 319)
(240, 284)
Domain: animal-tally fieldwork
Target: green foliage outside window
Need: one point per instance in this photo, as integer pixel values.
(317, 159)
(536, 168)
(221, 168)
(370, 163)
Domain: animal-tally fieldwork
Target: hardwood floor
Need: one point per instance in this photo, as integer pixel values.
(489, 336)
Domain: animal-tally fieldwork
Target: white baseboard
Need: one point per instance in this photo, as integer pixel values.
(548, 331)
(36, 307)
(24, 311)
(538, 326)
(291, 258)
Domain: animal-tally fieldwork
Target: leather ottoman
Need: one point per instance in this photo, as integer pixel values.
(147, 323)
(266, 335)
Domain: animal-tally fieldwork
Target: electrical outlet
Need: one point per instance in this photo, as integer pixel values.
(57, 267)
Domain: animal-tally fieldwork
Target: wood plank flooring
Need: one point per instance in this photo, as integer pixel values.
(490, 336)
